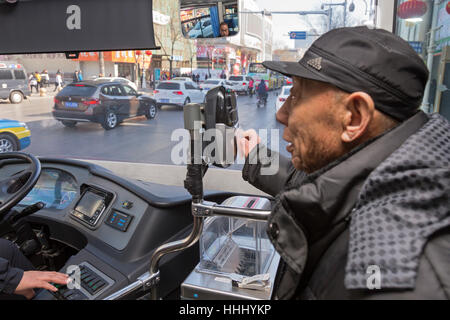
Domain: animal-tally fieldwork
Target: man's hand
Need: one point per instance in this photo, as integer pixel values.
(39, 279)
(246, 141)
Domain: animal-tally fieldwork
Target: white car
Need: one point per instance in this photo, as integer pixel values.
(284, 94)
(240, 83)
(118, 79)
(177, 92)
(212, 83)
(182, 79)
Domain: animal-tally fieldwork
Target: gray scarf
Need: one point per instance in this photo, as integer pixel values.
(401, 204)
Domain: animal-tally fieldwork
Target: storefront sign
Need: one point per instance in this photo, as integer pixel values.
(205, 51)
(123, 56)
(177, 58)
(114, 56)
(88, 56)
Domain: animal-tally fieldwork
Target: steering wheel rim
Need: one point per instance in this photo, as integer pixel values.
(35, 173)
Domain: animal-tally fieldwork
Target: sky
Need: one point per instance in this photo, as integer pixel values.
(283, 23)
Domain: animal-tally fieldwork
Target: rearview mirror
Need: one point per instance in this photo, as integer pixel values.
(209, 18)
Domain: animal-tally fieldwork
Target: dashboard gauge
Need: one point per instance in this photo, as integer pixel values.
(56, 188)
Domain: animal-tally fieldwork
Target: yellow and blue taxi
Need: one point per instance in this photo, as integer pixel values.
(14, 135)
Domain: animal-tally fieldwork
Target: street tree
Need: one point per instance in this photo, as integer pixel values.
(173, 28)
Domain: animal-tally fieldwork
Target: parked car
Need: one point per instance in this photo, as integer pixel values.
(182, 79)
(212, 83)
(240, 83)
(284, 94)
(104, 102)
(14, 135)
(13, 82)
(177, 92)
(118, 79)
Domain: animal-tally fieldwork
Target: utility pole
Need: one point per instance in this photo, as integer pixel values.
(345, 12)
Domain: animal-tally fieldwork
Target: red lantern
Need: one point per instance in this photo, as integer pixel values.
(412, 9)
(148, 52)
(448, 7)
(138, 52)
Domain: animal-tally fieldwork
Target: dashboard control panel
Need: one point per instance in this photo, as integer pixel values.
(92, 283)
(119, 220)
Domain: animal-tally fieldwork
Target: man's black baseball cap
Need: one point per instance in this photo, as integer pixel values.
(374, 61)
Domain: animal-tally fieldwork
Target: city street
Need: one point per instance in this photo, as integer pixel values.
(135, 140)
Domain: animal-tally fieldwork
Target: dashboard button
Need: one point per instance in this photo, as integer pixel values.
(127, 204)
(119, 220)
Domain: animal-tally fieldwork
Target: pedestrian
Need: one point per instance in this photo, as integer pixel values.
(80, 75)
(75, 76)
(250, 87)
(45, 78)
(362, 207)
(33, 83)
(58, 81)
(38, 79)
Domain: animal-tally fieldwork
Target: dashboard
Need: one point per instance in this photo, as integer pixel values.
(112, 223)
(56, 188)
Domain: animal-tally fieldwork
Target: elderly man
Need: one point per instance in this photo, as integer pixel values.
(362, 210)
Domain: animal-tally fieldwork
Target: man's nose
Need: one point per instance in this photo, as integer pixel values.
(282, 114)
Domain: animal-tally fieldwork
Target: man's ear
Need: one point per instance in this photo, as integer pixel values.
(359, 113)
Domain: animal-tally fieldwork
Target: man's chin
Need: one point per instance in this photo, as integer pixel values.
(297, 163)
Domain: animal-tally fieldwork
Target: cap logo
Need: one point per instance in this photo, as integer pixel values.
(316, 63)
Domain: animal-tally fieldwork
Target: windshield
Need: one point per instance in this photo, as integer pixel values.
(77, 90)
(287, 91)
(168, 86)
(212, 82)
(77, 118)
